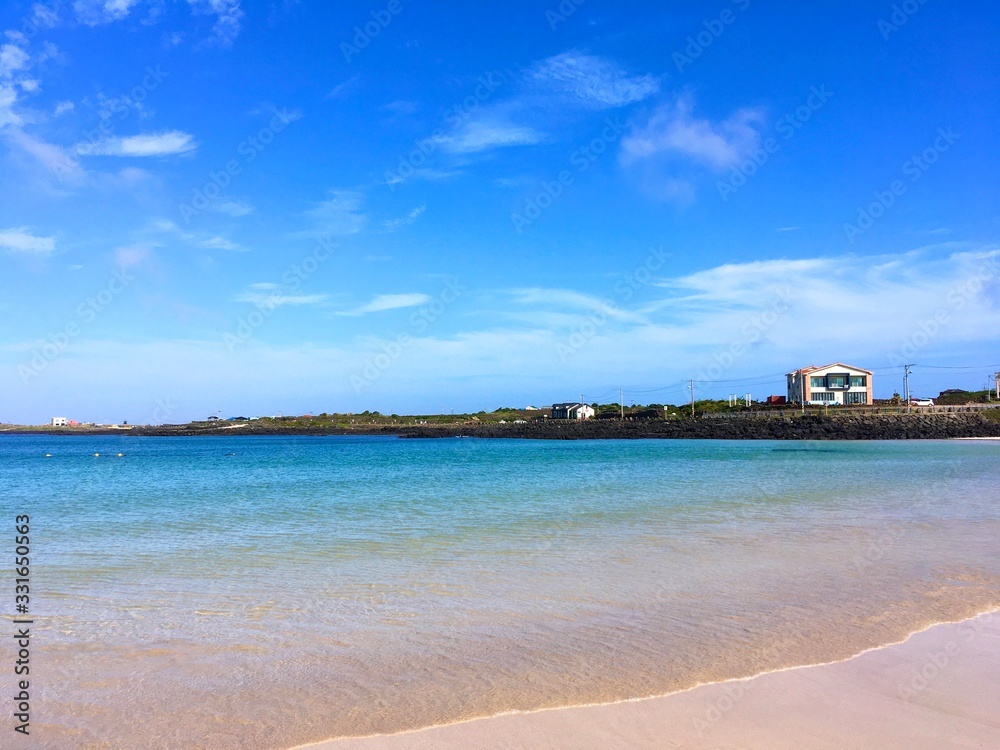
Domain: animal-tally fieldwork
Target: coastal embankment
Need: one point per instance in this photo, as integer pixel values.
(742, 427)
(752, 426)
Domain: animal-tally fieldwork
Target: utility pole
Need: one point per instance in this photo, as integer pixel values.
(906, 384)
(997, 378)
(621, 400)
(691, 387)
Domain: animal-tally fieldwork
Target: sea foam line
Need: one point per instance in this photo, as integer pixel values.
(748, 678)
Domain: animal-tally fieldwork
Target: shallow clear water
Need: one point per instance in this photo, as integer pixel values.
(260, 592)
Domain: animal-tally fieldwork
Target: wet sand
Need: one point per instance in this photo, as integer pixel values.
(938, 689)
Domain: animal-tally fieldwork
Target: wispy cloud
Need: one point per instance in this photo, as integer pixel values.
(344, 88)
(382, 302)
(593, 81)
(12, 59)
(45, 16)
(99, 12)
(411, 216)
(166, 143)
(482, 135)
(339, 214)
(229, 18)
(220, 243)
(236, 209)
(568, 299)
(21, 240)
(674, 131)
(52, 157)
(269, 298)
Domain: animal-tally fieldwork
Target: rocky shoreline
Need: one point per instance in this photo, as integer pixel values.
(933, 426)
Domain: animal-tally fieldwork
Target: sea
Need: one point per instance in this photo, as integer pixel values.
(268, 591)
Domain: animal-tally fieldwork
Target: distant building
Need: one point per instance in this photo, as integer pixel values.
(776, 401)
(60, 422)
(831, 385)
(572, 411)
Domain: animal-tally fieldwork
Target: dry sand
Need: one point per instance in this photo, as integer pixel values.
(939, 689)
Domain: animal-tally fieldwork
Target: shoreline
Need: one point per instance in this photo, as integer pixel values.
(934, 649)
(836, 426)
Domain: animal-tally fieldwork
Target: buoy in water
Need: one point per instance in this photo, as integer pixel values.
(96, 455)
(120, 455)
(48, 455)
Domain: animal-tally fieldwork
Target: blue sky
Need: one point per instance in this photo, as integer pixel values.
(283, 207)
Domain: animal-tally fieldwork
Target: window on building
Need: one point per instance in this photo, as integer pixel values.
(824, 397)
(859, 381)
(836, 381)
(817, 382)
(856, 398)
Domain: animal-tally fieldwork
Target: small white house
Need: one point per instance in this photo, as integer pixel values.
(572, 411)
(60, 422)
(831, 385)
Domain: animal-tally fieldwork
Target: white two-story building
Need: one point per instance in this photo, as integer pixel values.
(831, 385)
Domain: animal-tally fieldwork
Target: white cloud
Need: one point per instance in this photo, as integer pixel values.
(151, 144)
(235, 209)
(573, 301)
(339, 214)
(52, 157)
(594, 81)
(229, 17)
(98, 12)
(45, 16)
(343, 88)
(132, 256)
(411, 216)
(220, 243)
(382, 302)
(12, 59)
(8, 98)
(21, 240)
(481, 135)
(264, 300)
(673, 131)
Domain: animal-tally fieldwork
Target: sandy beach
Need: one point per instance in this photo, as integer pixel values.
(938, 689)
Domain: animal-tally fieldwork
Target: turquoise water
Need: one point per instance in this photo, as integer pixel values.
(267, 591)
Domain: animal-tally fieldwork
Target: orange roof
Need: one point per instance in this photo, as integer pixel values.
(813, 368)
